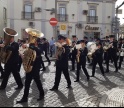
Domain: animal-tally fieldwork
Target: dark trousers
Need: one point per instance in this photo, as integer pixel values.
(51, 50)
(1, 70)
(83, 65)
(95, 62)
(42, 63)
(47, 57)
(73, 59)
(19, 63)
(29, 77)
(121, 60)
(14, 71)
(59, 71)
(114, 58)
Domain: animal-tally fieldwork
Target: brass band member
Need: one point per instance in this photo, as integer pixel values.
(62, 64)
(12, 64)
(121, 51)
(81, 63)
(73, 52)
(98, 59)
(35, 71)
(106, 43)
(112, 53)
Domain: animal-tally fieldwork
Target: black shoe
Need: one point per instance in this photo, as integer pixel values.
(44, 69)
(41, 98)
(19, 88)
(119, 68)
(22, 101)
(54, 89)
(107, 71)
(68, 87)
(116, 70)
(77, 81)
(2, 88)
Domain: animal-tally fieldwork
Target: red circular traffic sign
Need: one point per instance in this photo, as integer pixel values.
(53, 21)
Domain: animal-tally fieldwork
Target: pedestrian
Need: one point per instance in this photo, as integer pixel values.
(52, 46)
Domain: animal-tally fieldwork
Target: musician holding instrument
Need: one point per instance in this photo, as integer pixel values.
(62, 63)
(9, 56)
(33, 65)
(121, 53)
(112, 53)
(73, 52)
(98, 59)
(106, 44)
(81, 60)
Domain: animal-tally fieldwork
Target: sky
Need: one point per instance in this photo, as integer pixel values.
(119, 2)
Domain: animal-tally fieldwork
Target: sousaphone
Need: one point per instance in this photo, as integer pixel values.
(30, 54)
(4, 53)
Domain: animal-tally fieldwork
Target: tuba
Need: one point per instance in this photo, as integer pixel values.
(30, 55)
(91, 49)
(4, 53)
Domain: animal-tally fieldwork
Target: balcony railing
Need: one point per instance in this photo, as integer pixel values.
(92, 19)
(62, 17)
(27, 15)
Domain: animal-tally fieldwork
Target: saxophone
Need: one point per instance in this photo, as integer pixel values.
(5, 54)
(30, 55)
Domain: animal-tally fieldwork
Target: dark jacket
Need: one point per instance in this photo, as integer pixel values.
(63, 59)
(13, 60)
(98, 55)
(83, 55)
(37, 62)
(113, 51)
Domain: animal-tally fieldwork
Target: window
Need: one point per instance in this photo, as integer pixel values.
(92, 12)
(92, 18)
(62, 13)
(28, 11)
(4, 13)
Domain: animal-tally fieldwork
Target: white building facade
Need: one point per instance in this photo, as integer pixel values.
(3, 16)
(91, 18)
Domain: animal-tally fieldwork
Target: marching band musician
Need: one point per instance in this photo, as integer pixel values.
(73, 52)
(11, 65)
(121, 50)
(34, 74)
(98, 58)
(81, 55)
(45, 45)
(73, 55)
(21, 52)
(112, 53)
(62, 64)
(106, 43)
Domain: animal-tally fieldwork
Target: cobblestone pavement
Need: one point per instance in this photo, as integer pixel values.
(83, 94)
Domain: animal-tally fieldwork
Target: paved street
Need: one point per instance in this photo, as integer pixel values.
(97, 92)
